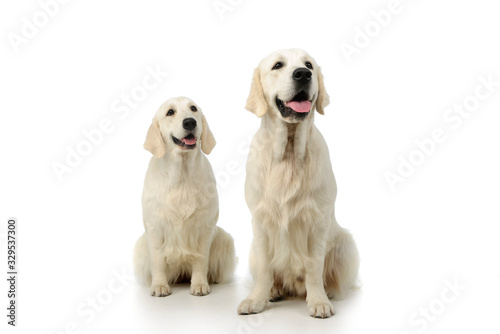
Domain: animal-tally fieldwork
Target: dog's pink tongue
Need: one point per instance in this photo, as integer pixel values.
(189, 141)
(302, 106)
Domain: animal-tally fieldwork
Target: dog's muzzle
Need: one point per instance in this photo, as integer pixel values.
(297, 108)
(186, 143)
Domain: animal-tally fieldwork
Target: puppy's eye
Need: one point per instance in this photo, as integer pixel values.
(309, 65)
(170, 112)
(278, 65)
(193, 108)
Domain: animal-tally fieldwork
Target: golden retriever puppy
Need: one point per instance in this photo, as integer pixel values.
(180, 206)
(298, 249)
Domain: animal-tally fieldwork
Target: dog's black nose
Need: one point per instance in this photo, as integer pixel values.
(302, 75)
(189, 124)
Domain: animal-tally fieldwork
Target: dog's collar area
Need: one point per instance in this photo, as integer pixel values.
(188, 142)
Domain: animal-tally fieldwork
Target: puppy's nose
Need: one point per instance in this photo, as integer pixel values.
(302, 75)
(189, 124)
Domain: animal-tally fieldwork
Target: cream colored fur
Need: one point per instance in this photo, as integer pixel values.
(180, 209)
(298, 249)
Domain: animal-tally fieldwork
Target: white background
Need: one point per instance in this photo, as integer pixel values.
(440, 225)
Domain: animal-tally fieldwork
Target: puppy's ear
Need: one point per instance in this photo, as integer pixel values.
(207, 138)
(154, 141)
(256, 101)
(323, 99)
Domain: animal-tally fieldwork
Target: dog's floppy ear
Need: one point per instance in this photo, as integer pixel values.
(256, 101)
(154, 141)
(323, 99)
(207, 138)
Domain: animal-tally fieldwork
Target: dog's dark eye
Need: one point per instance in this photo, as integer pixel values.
(309, 65)
(193, 108)
(278, 65)
(170, 112)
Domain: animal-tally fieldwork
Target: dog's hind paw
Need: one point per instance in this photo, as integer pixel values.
(277, 294)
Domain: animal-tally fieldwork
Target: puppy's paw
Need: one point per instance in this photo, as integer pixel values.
(160, 290)
(201, 289)
(277, 294)
(320, 309)
(250, 306)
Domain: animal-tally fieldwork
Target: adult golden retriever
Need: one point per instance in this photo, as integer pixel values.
(298, 246)
(180, 206)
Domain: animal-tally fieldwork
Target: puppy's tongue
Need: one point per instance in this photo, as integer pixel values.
(189, 141)
(302, 106)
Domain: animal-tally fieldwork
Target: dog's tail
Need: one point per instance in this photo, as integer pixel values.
(141, 261)
(222, 261)
(341, 265)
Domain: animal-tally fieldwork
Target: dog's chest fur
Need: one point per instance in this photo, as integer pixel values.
(187, 214)
(188, 220)
(291, 195)
(183, 204)
(286, 187)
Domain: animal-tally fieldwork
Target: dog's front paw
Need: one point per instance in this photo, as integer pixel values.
(160, 290)
(250, 306)
(321, 309)
(200, 289)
